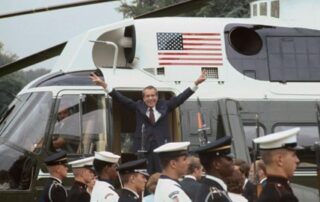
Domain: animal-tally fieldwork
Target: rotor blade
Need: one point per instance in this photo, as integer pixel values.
(32, 59)
(176, 9)
(50, 8)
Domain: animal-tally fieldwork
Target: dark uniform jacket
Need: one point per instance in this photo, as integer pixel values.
(54, 191)
(249, 191)
(126, 195)
(156, 133)
(277, 189)
(78, 193)
(191, 187)
(212, 190)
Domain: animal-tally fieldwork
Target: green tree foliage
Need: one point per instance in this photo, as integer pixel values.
(138, 7)
(214, 8)
(226, 8)
(11, 84)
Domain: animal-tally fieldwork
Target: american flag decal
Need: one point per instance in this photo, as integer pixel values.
(189, 49)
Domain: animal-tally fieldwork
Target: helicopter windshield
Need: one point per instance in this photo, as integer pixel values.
(24, 126)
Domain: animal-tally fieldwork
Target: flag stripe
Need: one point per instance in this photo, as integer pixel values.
(200, 39)
(204, 49)
(176, 53)
(202, 44)
(201, 34)
(185, 63)
(190, 58)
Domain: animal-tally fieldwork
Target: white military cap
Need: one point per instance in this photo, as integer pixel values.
(173, 149)
(106, 156)
(284, 139)
(82, 163)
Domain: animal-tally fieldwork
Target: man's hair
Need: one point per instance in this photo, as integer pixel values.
(260, 166)
(152, 182)
(125, 177)
(235, 182)
(194, 164)
(149, 88)
(99, 165)
(244, 167)
(78, 171)
(267, 155)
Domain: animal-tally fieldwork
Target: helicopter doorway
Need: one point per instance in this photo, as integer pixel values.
(124, 122)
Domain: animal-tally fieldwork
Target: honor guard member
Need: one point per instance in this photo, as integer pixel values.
(105, 164)
(54, 190)
(82, 170)
(134, 178)
(278, 152)
(190, 183)
(174, 161)
(217, 160)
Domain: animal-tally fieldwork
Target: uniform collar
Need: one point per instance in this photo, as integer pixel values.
(263, 180)
(168, 178)
(277, 179)
(191, 177)
(135, 193)
(57, 179)
(219, 181)
(80, 184)
(109, 182)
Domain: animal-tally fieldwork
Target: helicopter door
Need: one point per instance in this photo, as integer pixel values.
(80, 125)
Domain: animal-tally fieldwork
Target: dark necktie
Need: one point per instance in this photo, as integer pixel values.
(151, 115)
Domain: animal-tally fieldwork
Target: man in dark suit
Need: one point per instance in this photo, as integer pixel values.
(249, 188)
(190, 182)
(151, 116)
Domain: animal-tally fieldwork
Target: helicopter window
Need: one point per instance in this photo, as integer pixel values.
(11, 111)
(16, 170)
(308, 135)
(25, 126)
(263, 9)
(254, 10)
(245, 41)
(275, 9)
(80, 126)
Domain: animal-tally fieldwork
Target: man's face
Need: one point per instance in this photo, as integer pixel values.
(150, 97)
(139, 181)
(87, 175)
(62, 170)
(63, 114)
(112, 171)
(198, 172)
(290, 162)
(225, 166)
(181, 165)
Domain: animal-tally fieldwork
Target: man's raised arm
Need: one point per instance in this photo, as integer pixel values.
(95, 79)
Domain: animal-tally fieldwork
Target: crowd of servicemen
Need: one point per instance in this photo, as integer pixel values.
(169, 171)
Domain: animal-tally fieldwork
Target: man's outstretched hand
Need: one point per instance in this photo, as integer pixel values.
(95, 79)
(201, 78)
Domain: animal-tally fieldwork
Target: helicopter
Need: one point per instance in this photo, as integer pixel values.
(262, 77)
